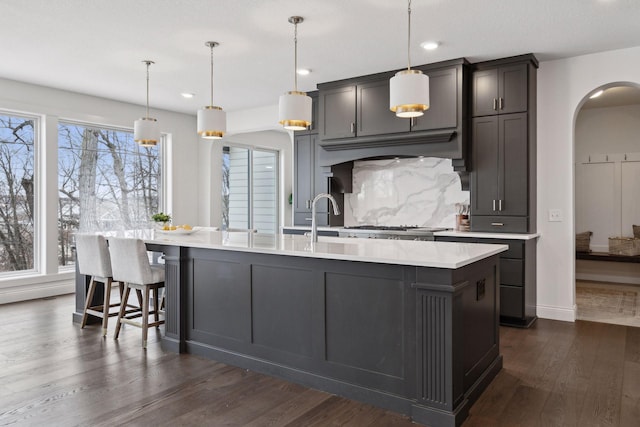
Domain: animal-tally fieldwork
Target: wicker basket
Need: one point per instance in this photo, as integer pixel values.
(583, 241)
(624, 246)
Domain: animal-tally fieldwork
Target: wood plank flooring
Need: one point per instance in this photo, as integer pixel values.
(55, 374)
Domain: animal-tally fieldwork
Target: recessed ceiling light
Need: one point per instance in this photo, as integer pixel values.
(303, 72)
(597, 94)
(429, 45)
(187, 95)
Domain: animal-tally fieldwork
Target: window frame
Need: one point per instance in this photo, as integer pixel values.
(251, 149)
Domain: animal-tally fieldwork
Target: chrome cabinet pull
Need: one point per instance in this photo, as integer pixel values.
(500, 205)
(307, 219)
(497, 224)
(501, 102)
(494, 204)
(495, 101)
(353, 127)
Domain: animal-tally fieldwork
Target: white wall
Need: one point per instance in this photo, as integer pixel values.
(562, 88)
(53, 105)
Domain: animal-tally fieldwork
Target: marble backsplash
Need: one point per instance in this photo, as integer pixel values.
(421, 191)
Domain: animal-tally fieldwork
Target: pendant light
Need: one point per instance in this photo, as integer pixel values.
(146, 131)
(409, 89)
(212, 120)
(294, 107)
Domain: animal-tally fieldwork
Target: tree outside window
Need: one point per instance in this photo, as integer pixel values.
(16, 193)
(106, 181)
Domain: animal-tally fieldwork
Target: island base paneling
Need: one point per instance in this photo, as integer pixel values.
(416, 340)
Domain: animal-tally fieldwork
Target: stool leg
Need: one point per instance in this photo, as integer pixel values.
(123, 308)
(87, 303)
(145, 316)
(155, 306)
(105, 307)
(139, 294)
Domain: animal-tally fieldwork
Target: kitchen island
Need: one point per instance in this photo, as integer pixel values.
(408, 326)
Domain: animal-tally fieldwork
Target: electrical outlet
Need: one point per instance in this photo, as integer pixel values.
(555, 215)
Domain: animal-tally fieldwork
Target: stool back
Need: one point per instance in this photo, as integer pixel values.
(129, 261)
(92, 255)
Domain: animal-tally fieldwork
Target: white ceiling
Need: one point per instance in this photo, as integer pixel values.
(96, 46)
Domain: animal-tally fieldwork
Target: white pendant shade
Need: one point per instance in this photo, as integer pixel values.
(409, 93)
(294, 110)
(146, 132)
(212, 122)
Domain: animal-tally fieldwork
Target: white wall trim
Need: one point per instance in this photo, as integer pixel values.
(608, 278)
(59, 286)
(565, 314)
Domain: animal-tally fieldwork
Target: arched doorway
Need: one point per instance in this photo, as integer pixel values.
(607, 201)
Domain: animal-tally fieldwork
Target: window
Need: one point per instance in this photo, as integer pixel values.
(106, 181)
(250, 189)
(16, 193)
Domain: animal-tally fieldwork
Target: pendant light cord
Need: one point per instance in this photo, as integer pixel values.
(211, 46)
(295, 56)
(409, 36)
(148, 63)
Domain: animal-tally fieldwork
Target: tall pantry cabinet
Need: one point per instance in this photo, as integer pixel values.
(503, 141)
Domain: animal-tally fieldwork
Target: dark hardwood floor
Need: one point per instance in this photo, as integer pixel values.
(55, 374)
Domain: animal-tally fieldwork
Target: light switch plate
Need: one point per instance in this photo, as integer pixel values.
(555, 215)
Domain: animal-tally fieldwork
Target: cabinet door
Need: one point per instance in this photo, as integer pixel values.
(303, 173)
(484, 178)
(513, 172)
(443, 100)
(484, 92)
(374, 115)
(337, 118)
(513, 88)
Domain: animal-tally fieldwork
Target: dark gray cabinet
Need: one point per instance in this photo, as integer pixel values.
(355, 121)
(517, 278)
(503, 146)
(358, 110)
(443, 109)
(373, 114)
(500, 151)
(308, 181)
(337, 112)
(500, 90)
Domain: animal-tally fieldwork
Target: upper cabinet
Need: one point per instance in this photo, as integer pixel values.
(443, 100)
(500, 90)
(358, 110)
(355, 121)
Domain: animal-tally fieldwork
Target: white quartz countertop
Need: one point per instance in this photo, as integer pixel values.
(470, 234)
(447, 255)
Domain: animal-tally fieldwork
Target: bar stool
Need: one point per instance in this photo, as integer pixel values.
(92, 256)
(130, 264)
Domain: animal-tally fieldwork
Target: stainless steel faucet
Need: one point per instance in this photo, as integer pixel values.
(314, 226)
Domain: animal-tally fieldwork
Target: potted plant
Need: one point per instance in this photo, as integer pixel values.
(161, 219)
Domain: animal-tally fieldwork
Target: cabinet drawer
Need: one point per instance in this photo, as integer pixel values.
(516, 249)
(500, 224)
(511, 272)
(304, 218)
(511, 301)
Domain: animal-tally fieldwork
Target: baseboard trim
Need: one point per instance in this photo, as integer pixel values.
(35, 291)
(557, 313)
(608, 278)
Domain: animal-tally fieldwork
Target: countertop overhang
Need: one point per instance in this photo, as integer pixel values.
(448, 255)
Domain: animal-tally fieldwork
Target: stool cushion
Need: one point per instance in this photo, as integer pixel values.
(130, 262)
(92, 256)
